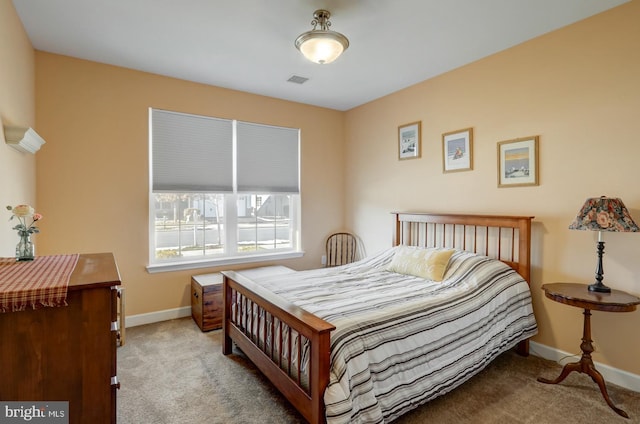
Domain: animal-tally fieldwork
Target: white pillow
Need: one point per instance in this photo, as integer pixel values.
(429, 263)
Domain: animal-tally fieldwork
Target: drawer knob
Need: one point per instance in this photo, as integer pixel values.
(114, 382)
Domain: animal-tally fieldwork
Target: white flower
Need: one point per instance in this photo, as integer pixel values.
(23, 210)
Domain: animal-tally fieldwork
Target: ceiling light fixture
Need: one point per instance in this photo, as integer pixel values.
(321, 45)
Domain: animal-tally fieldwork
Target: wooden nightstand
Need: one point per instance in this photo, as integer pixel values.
(206, 301)
(578, 295)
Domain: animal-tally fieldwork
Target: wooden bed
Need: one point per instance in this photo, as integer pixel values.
(506, 238)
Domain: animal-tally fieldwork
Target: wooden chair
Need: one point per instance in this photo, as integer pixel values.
(340, 249)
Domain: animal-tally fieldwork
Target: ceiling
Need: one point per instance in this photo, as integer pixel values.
(248, 45)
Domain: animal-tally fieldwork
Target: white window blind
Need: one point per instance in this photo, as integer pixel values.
(267, 159)
(190, 153)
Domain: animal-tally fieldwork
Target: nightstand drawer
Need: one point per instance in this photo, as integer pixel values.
(206, 301)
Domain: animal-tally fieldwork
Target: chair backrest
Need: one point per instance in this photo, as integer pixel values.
(341, 249)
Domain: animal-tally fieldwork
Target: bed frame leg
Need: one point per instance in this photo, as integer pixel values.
(226, 344)
(522, 348)
(226, 315)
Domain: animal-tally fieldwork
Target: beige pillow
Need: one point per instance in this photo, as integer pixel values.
(426, 263)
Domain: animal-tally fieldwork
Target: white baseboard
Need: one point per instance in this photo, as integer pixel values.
(611, 375)
(151, 317)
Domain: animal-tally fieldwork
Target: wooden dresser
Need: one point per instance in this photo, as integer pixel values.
(67, 353)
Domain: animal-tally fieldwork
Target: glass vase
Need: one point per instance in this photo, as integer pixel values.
(24, 249)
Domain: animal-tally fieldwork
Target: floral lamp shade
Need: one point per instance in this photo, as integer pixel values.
(604, 214)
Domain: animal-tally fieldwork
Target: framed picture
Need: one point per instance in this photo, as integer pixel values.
(457, 150)
(518, 162)
(409, 141)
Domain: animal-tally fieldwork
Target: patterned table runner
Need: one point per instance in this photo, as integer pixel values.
(38, 283)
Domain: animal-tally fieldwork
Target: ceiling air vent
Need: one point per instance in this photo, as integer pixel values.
(297, 79)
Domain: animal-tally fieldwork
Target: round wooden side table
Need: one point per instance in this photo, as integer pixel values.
(574, 294)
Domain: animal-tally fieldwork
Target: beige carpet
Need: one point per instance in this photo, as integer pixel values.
(173, 373)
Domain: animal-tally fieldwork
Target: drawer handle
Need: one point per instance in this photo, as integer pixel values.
(195, 294)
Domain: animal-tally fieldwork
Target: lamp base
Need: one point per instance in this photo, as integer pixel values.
(599, 287)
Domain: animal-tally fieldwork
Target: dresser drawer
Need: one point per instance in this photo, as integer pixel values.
(206, 301)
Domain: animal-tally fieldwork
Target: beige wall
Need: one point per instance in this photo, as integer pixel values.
(93, 175)
(579, 90)
(17, 107)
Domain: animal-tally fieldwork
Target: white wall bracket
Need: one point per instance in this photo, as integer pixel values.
(25, 140)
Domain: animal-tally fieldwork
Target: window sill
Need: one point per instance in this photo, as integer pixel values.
(208, 263)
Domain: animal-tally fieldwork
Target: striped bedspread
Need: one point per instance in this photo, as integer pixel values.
(401, 341)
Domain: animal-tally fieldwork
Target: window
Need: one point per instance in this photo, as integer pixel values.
(222, 191)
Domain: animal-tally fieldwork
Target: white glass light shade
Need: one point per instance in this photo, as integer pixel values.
(322, 46)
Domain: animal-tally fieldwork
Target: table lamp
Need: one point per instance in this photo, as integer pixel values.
(603, 214)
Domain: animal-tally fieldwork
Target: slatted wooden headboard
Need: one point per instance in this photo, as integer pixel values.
(506, 238)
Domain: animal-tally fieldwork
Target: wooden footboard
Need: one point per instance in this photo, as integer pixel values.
(277, 336)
